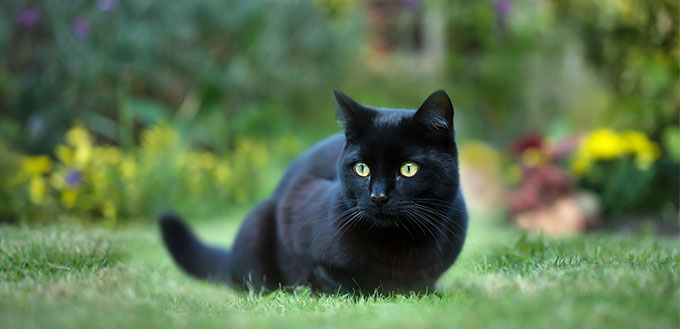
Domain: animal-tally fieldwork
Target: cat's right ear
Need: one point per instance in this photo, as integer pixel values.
(348, 109)
(436, 112)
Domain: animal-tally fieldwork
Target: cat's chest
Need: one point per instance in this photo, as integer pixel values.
(369, 267)
(394, 257)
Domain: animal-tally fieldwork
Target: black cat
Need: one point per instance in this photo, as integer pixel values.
(377, 209)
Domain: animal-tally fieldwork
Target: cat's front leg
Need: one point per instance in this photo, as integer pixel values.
(322, 280)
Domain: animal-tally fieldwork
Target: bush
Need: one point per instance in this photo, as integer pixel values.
(628, 171)
(94, 182)
(119, 66)
(563, 65)
(633, 46)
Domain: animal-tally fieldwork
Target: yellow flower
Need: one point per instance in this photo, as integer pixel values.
(644, 160)
(580, 165)
(64, 154)
(107, 155)
(36, 165)
(646, 151)
(69, 198)
(109, 210)
(533, 157)
(222, 172)
(37, 189)
(603, 144)
(477, 153)
(159, 138)
(78, 148)
(57, 180)
(255, 153)
(206, 160)
(77, 136)
(83, 155)
(98, 178)
(128, 168)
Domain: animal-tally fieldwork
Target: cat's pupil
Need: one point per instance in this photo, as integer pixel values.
(362, 169)
(409, 169)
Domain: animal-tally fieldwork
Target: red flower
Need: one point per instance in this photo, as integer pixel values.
(528, 141)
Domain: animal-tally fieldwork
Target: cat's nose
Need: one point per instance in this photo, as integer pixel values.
(378, 199)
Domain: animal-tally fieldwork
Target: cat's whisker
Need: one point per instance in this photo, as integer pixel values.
(439, 203)
(417, 222)
(338, 217)
(352, 212)
(325, 212)
(353, 216)
(409, 213)
(428, 215)
(438, 215)
(463, 229)
(405, 227)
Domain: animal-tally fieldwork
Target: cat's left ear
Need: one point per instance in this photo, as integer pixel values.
(349, 111)
(437, 111)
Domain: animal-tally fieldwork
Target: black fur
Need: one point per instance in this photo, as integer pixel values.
(320, 226)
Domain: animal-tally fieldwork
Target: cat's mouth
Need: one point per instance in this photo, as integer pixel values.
(385, 214)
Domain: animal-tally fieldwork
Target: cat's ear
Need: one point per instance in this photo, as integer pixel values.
(349, 111)
(437, 111)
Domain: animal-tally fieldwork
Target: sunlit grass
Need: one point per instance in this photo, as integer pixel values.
(65, 277)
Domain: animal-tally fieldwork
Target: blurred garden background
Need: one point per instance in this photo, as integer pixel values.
(567, 118)
(112, 110)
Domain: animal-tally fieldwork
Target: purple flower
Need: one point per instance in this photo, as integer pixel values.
(106, 5)
(27, 17)
(409, 3)
(503, 7)
(74, 178)
(81, 28)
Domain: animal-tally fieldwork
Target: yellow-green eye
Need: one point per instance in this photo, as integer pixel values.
(362, 169)
(408, 169)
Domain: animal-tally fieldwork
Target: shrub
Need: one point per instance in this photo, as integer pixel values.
(121, 65)
(91, 182)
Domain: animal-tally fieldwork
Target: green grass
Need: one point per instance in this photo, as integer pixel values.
(69, 277)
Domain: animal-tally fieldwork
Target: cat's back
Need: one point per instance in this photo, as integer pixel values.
(318, 162)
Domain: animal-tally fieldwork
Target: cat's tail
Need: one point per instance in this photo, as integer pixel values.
(192, 255)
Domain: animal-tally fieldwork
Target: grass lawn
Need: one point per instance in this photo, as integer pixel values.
(69, 277)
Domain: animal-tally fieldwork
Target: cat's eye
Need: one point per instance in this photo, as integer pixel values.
(362, 169)
(408, 169)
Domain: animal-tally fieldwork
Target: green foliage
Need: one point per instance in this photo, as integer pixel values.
(671, 139)
(633, 45)
(224, 74)
(497, 52)
(625, 171)
(11, 203)
(127, 64)
(522, 65)
(623, 188)
(561, 68)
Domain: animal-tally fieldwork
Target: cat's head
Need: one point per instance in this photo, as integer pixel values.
(397, 163)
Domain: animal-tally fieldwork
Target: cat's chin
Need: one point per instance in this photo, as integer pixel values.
(386, 218)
